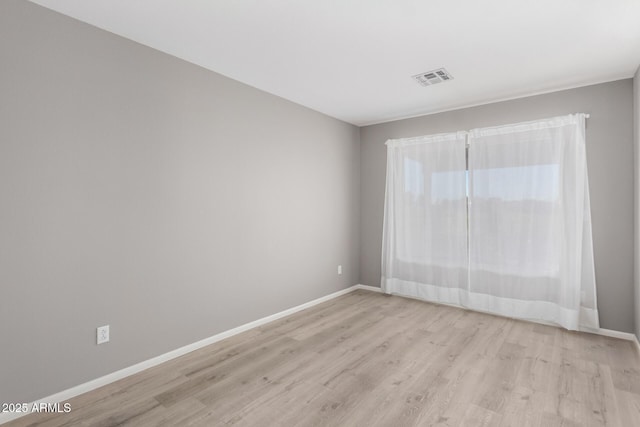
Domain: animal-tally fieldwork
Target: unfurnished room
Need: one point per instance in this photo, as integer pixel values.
(319, 213)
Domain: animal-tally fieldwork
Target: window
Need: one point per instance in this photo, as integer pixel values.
(497, 220)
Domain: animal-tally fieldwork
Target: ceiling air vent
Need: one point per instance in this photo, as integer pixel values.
(433, 77)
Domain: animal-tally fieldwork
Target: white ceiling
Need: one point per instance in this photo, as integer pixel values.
(353, 59)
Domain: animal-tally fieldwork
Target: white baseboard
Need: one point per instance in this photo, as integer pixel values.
(617, 334)
(123, 373)
(611, 333)
(368, 288)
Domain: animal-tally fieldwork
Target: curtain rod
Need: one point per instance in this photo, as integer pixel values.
(450, 135)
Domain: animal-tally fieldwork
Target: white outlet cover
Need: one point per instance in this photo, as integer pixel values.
(339, 269)
(102, 334)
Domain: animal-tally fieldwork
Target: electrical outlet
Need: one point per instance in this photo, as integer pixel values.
(103, 334)
(339, 270)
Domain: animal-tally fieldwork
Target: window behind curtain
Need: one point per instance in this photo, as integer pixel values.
(496, 220)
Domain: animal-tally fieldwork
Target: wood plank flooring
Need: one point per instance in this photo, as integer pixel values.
(367, 359)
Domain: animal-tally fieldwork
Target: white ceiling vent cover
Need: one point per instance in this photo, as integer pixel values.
(429, 78)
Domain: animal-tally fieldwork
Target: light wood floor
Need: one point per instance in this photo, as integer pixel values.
(367, 359)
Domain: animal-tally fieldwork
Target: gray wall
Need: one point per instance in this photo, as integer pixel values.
(140, 191)
(636, 181)
(610, 163)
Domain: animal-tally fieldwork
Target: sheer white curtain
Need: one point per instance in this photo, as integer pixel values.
(509, 233)
(425, 221)
(530, 224)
